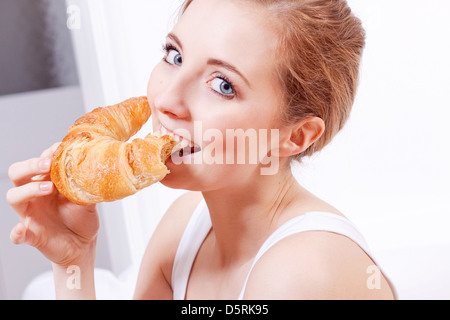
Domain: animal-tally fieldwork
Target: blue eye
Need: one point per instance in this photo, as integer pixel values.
(173, 57)
(222, 86)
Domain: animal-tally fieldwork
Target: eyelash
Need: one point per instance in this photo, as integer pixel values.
(226, 79)
(168, 47)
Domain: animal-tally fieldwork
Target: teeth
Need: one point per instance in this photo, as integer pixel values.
(163, 130)
(181, 142)
(177, 138)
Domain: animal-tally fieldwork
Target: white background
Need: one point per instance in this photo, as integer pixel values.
(388, 170)
(391, 163)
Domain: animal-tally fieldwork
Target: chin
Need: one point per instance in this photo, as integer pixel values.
(198, 177)
(181, 177)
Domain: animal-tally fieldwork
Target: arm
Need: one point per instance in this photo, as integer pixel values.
(65, 233)
(76, 282)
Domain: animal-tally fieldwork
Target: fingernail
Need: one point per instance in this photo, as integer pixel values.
(44, 165)
(45, 186)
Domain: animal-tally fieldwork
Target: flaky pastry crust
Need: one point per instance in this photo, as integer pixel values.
(94, 162)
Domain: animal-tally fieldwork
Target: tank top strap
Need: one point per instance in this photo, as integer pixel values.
(195, 233)
(311, 221)
(200, 225)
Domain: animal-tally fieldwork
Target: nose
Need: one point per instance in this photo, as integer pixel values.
(171, 100)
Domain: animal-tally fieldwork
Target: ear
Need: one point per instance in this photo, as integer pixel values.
(301, 136)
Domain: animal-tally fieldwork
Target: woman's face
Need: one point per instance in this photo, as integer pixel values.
(217, 87)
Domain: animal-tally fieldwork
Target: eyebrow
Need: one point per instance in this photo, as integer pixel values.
(229, 67)
(175, 39)
(213, 62)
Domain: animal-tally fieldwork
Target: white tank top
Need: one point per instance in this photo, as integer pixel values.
(200, 224)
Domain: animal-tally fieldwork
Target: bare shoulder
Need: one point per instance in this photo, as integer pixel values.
(156, 267)
(315, 266)
(179, 213)
(175, 220)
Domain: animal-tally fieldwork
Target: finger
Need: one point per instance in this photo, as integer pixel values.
(20, 173)
(19, 197)
(21, 234)
(18, 234)
(50, 151)
(47, 154)
(41, 177)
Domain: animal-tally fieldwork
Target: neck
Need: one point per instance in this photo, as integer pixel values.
(244, 216)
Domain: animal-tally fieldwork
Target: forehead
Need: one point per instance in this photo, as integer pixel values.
(235, 31)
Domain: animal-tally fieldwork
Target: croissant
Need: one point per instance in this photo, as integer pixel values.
(94, 163)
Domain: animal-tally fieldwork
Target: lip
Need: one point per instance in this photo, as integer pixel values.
(184, 147)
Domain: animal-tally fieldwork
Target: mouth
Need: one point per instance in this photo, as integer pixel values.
(184, 147)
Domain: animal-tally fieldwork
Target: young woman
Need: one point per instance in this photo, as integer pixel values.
(284, 66)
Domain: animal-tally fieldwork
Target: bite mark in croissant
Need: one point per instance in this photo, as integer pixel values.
(94, 163)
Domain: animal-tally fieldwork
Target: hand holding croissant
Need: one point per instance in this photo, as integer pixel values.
(94, 163)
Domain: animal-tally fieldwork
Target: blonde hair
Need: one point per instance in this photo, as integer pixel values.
(321, 44)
